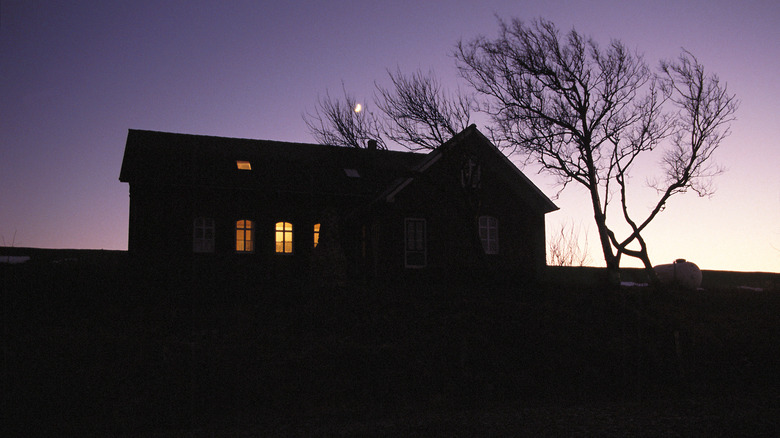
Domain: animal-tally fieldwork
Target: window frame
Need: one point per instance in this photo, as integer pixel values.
(201, 242)
(245, 226)
(415, 242)
(284, 242)
(488, 234)
(471, 173)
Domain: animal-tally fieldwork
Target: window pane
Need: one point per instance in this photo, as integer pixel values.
(283, 226)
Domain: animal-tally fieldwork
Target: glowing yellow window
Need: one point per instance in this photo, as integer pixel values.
(316, 234)
(244, 236)
(244, 165)
(284, 238)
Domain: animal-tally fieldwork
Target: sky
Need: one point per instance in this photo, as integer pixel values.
(75, 76)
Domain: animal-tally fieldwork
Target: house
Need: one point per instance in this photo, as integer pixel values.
(282, 210)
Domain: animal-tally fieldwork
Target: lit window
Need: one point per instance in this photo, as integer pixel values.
(284, 238)
(488, 234)
(244, 236)
(244, 165)
(414, 235)
(203, 235)
(316, 234)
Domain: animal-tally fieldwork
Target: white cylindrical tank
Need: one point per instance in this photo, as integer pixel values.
(681, 273)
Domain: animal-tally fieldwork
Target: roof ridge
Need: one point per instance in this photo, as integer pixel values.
(277, 142)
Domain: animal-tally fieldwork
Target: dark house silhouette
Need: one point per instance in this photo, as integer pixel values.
(282, 210)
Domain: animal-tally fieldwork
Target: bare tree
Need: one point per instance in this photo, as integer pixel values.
(564, 248)
(704, 110)
(343, 123)
(586, 113)
(418, 113)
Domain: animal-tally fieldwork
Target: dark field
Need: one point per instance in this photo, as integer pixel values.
(93, 346)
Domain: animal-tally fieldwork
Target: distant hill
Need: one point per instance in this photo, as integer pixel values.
(52, 255)
(584, 275)
(710, 279)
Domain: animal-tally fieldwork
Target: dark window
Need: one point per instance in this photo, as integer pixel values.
(488, 234)
(470, 174)
(416, 245)
(203, 235)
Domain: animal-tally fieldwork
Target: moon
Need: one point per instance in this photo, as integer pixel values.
(358, 108)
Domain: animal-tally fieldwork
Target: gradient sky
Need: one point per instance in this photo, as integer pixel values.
(75, 76)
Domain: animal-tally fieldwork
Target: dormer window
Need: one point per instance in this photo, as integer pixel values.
(243, 165)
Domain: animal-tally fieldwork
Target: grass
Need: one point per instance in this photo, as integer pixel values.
(97, 347)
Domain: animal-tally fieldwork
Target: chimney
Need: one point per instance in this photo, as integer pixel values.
(371, 146)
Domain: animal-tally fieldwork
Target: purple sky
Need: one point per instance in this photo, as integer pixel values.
(77, 75)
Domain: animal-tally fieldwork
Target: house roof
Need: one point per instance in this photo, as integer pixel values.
(153, 157)
(161, 158)
(515, 179)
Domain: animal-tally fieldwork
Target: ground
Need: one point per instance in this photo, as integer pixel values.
(103, 347)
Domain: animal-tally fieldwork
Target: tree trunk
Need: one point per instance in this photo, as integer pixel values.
(613, 263)
(642, 255)
(652, 277)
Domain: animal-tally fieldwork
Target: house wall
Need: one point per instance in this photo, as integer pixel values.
(451, 213)
(161, 228)
(370, 239)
